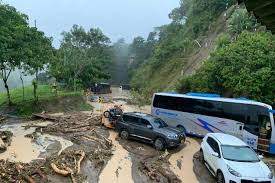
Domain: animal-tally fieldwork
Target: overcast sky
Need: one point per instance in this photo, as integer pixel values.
(117, 18)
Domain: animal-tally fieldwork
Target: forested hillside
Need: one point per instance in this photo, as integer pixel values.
(210, 46)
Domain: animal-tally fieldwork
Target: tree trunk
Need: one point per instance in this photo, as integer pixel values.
(35, 85)
(8, 90)
(23, 87)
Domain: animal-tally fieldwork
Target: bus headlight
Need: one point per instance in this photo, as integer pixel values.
(173, 136)
(233, 172)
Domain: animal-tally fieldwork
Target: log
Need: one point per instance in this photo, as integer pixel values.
(64, 173)
(76, 130)
(44, 117)
(34, 126)
(82, 155)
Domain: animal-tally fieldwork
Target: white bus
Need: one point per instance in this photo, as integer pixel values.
(198, 114)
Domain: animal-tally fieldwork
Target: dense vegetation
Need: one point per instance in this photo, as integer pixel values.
(21, 46)
(221, 43)
(244, 67)
(82, 58)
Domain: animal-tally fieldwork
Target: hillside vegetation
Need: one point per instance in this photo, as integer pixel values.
(210, 46)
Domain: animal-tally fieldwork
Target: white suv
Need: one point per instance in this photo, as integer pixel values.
(231, 160)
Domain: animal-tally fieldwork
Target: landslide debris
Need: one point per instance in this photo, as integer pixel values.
(157, 169)
(5, 140)
(90, 144)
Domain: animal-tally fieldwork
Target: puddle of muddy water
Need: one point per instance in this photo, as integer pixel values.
(181, 163)
(23, 149)
(119, 167)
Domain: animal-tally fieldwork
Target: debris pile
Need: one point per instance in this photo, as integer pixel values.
(72, 123)
(90, 143)
(20, 172)
(5, 140)
(157, 169)
(69, 164)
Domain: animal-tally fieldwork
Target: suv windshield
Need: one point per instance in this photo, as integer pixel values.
(160, 123)
(239, 153)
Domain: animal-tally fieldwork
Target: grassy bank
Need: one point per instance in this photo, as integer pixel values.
(47, 101)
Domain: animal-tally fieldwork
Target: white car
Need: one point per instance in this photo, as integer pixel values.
(231, 160)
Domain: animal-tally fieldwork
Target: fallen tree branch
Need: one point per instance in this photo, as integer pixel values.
(76, 130)
(44, 117)
(34, 126)
(82, 155)
(64, 173)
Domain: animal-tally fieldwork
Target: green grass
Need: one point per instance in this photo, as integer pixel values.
(47, 100)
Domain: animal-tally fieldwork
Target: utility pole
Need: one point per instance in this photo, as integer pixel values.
(35, 23)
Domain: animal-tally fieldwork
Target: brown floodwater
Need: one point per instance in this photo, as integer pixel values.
(119, 167)
(181, 163)
(23, 149)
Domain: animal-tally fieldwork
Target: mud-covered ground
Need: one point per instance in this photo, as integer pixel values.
(76, 147)
(106, 156)
(82, 161)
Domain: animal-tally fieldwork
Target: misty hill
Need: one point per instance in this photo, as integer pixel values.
(120, 62)
(201, 51)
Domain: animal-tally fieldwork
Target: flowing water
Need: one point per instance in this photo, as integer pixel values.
(181, 163)
(23, 149)
(119, 167)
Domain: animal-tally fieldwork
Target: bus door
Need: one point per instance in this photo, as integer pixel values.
(238, 130)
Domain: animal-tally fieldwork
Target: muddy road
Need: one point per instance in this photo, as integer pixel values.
(76, 147)
(139, 162)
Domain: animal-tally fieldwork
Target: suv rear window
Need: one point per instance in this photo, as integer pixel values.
(130, 119)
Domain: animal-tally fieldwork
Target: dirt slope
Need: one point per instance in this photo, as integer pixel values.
(207, 45)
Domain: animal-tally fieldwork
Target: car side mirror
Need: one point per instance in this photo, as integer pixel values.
(261, 157)
(215, 154)
(149, 126)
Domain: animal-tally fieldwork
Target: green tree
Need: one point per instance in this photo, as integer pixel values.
(12, 28)
(39, 54)
(241, 20)
(82, 58)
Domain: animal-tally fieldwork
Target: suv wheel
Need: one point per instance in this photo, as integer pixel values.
(159, 144)
(106, 114)
(124, 134)
(220, 177)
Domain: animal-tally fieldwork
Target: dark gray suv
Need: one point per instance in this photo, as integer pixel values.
(148, 128)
